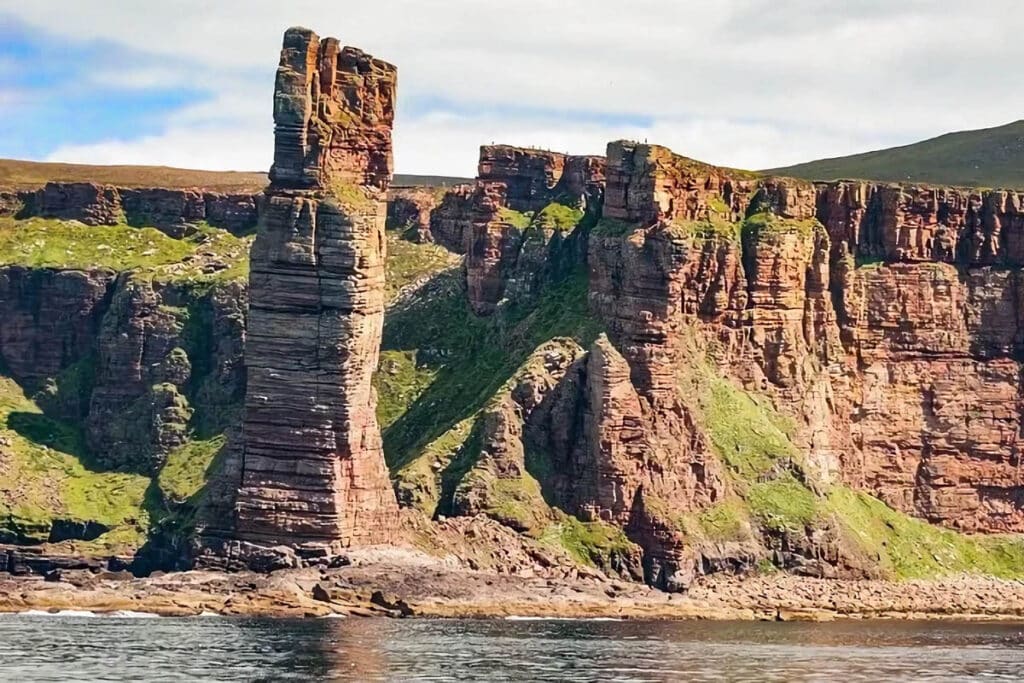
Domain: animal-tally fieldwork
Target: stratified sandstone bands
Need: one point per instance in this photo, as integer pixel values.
(313, 469)
(507, 231)
(175, 212)
(889, 328)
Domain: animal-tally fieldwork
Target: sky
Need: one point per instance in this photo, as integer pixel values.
(743, 83)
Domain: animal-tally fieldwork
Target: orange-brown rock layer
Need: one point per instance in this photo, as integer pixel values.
(884, 330)
(312, 466)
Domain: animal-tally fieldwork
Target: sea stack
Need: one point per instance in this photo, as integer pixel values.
(313, 470)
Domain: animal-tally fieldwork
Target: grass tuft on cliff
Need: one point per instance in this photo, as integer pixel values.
(910, 548)
(558, 217)
(208, 255)
(187, 468)
(409, 263)
(752, 439)
(516, 219)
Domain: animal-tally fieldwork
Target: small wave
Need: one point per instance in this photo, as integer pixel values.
(525, 618)
(334, 615)
(131, 614)
(59, 613)
(207, 613)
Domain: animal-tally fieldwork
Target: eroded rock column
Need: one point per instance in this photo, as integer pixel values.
(313, 470)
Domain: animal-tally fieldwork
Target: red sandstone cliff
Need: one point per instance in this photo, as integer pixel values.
(312, 466)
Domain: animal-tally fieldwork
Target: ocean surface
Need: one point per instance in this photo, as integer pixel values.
(133, 648)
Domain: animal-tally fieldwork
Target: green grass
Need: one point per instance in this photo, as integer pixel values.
(710, 229)
(718, 205)
(516, 502)
(783, 503)
(558, 217)
(767, 472)
(990, 157)
(430, 446)
(728, 520)
(408, 262)
(399, 381)
(765, 224)
(612, 227)
(746, 433)
(45, 476)
(910, 548)
(32, 174)
(351, 196)
(516, 219)
(185, 472)
(48, 243)
(591, 543)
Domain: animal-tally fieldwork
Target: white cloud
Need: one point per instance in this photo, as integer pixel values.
(747, 82)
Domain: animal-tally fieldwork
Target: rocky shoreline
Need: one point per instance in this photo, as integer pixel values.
(386, 583)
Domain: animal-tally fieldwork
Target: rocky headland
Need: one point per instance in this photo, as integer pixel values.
(623, 385)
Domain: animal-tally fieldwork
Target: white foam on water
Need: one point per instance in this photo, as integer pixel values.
(60, 613)
(132, 614)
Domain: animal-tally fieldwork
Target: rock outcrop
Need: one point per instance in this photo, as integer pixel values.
(126, 357)
(450, 220)
(884, 327)
(525, 202)
(312, 466)
(410, 211)
(174, 212)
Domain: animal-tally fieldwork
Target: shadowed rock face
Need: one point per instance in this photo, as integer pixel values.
(312, 466)
(175, 212)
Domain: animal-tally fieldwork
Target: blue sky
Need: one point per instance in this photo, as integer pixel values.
(750, 83)
(56, 103)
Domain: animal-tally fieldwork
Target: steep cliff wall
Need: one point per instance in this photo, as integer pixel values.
(175, 212)
(312, 466)
(770, 344)
(515, 223)
(856, 327)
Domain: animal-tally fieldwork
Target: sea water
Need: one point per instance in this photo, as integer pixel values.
(38, 647)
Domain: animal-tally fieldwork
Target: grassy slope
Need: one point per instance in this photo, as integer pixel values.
(45, 471)
(990, 157)
(47, 243)
(45, 476)
(776, 494)
(15, 173)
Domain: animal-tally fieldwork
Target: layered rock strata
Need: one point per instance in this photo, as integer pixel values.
(126, 357)
(312, 467)
(508, 234)
(886, 330)
(410, 211)
(174, 212)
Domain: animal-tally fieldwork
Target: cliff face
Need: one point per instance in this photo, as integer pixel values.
(525, 204)
(312, 466)
(932, 319)
(770, 344)
(175, 212)
(131, 364)
(902, 373)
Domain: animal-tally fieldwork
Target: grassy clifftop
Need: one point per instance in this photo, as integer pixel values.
(19, 174)
(990, 157)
